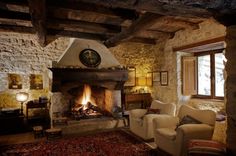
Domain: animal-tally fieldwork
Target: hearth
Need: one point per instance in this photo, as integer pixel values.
(88, 93)
(91, 102)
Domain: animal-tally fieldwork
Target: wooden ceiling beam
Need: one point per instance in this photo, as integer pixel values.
(94, 8)
(16, 29)
(145, 21)
(17, 7)
(16, 22)
(83, 26)
(14, 15)
(63, 13)
(154, 6)
(74, 34)
(38, 17)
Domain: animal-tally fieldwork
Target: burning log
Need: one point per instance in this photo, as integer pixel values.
(89, 110)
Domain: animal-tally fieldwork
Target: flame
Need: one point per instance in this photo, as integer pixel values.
(86, 97)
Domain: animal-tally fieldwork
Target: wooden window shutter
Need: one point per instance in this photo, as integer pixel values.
(189, 75)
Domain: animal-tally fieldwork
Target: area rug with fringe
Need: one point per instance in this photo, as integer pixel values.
(112, 143)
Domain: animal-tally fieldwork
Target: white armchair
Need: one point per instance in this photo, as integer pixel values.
(174, 140)
(141, 123)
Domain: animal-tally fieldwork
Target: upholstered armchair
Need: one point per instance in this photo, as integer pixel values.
(141, 123)
(172, 137)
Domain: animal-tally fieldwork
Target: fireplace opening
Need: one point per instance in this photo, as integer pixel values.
(93, 102)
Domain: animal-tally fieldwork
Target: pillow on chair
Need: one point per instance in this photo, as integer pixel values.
(151, 111)
(188, 120)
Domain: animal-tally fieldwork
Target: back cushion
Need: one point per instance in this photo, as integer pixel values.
(165, 108)
(205, 116)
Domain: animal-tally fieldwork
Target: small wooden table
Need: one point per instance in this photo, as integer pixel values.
(53, 133)
(143, 99)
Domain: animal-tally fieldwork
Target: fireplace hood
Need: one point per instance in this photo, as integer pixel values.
(71, 57)
(69, 72)
(67, 78)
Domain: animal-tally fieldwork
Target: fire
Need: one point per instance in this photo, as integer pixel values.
(86, 97)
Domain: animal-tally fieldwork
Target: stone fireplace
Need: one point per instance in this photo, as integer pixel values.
(96, 91)
(81, 92)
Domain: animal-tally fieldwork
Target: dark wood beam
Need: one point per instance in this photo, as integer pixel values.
(38, 17)
(94, 8)
(14, 15)
(63, 13)
(153, 6)
(16, 29)
(15, 22)
(83, 26)
(75, 34)
(144, 22)
(17, 7)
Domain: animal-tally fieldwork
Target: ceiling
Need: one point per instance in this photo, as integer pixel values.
(109, 21)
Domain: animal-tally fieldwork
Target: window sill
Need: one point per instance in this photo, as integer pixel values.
(208, 99)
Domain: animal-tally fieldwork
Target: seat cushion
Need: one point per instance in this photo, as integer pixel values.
(206, 147)
(169, 133)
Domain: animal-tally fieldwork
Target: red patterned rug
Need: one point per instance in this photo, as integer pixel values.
(114, 143)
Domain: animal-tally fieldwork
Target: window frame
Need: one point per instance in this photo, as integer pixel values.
(212, 72)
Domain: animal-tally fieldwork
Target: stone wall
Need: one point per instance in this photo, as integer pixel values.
(21, 54)
(171, 61)
(160, 57)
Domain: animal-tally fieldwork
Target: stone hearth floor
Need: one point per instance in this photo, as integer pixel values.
(86, 125)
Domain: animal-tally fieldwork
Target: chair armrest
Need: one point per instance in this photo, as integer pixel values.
(196, 131)
(165, 121)
(137, 113)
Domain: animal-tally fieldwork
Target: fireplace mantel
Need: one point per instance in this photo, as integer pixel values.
(65, 78)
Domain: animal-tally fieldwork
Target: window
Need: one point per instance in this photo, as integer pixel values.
(210, 80)
(202, 75)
